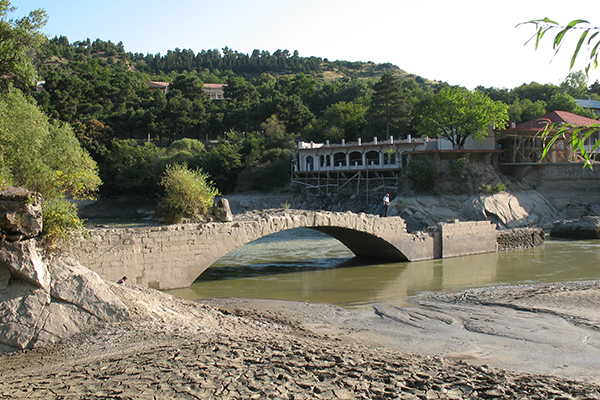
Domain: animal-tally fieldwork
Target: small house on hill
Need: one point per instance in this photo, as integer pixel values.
(158, 85)
(214, 91)
(523, 143)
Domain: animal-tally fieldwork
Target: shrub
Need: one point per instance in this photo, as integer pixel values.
(487, 188)
(457, 168)
(192, 146)
(422, 174)
(273, 174)
(188, 193)
(61, 224)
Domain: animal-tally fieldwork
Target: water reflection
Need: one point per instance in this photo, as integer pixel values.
(306, 265)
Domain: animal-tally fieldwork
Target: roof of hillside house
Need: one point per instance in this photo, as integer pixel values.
(214, 85)
(554, 117)
(158, 85)
(593, 104)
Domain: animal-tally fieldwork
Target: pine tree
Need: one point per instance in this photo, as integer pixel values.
(388, 105)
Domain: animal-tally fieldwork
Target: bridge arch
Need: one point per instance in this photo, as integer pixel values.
(363, 244)
(356, 232)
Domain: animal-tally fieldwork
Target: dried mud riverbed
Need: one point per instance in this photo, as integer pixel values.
(485, 343)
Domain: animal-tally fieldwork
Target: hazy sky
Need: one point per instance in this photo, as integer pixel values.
(461, 42)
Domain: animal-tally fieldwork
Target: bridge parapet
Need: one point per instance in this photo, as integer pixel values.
(173, 256)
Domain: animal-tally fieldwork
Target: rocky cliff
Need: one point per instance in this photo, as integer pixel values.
(43, 299)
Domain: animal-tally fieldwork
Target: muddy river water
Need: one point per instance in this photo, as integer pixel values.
(306, 265)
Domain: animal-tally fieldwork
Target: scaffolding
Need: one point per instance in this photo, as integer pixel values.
(367, 181)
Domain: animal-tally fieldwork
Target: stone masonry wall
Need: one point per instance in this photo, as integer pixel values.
(464, 238)
(520, 238)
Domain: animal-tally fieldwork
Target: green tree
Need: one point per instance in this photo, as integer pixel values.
(526, 110)
(535, 91)
(223, 163)
(341, 120)
(456, 113)
(292, 111)
(388, 104)
(564, 102)
(46, 157)
(19, 40)
(41, 155)
(130, 168)
(576, 85)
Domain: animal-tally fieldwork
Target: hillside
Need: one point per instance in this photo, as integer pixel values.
(248, 139)
(59, 52)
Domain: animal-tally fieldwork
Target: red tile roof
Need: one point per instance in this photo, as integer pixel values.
(556, 116)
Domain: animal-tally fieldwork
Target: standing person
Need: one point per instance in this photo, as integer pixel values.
(386, 204)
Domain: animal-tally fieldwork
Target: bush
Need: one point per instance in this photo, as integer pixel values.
(487, 188)
(192, 146)
(61, 224)
(273, 174)
(422, 174)
(188, 193)
(457, 168)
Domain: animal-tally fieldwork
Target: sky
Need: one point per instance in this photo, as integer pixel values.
(462, 42)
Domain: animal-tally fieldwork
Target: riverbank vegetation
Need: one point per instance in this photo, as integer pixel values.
(36, 152)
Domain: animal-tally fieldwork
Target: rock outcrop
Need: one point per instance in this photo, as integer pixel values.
(43, 300)
(582, 228)
(508, 210)
(20, 214)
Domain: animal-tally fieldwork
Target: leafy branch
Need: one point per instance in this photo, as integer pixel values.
(589, 36)
(575, 135)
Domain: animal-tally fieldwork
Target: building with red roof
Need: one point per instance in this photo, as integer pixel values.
(523, 143)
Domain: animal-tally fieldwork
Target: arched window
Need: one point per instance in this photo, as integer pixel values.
(372, 157)
(355, 158)
(339, 159)
(310, 163)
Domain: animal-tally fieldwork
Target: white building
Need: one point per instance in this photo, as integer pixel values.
(372, 166)
(354, 156)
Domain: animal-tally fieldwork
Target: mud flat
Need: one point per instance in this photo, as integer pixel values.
(529, 342)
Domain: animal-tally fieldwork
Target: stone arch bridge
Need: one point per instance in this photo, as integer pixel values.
(173, 256)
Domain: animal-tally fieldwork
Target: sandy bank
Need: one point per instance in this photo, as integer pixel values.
(238, 348)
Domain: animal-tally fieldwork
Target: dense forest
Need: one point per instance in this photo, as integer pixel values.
(245, 141)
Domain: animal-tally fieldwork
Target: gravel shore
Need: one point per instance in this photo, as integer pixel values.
(258, 349)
